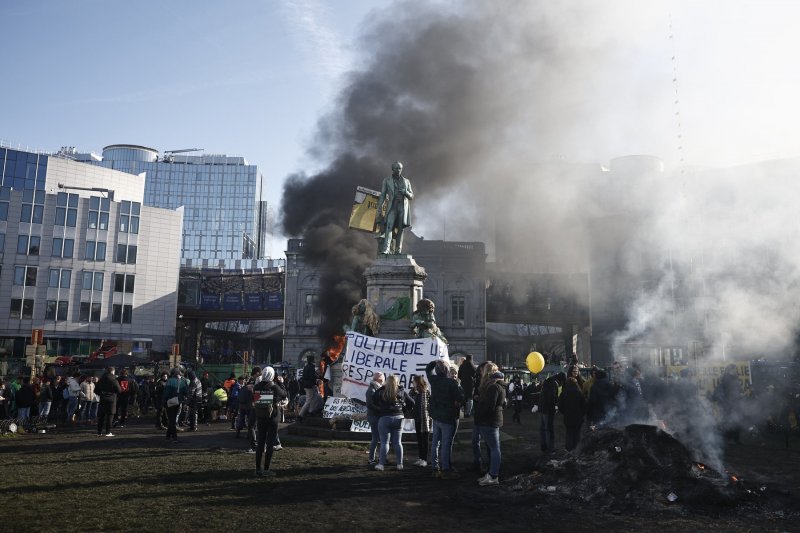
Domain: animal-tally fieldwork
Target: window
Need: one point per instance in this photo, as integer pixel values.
(92, 281)
(60, 278)
(28, 245)
(90, 312)
(25, 275)
(121, 314)
(63, 247)
(129, 216)
(2, 242)
(66, 209)
(98, 212)
(5, 196)
(95, 251)
(56, 310)
(32, 206)
(458, 308)
(21, 308)
(311, 314)
(123, 283)
(126, 254)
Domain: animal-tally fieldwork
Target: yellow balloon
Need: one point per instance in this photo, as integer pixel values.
(535, 362)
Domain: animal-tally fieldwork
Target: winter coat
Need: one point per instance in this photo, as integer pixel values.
(46, 394)
(489, 405)
(395, 408)
(466, 375)
(108, 388)
(87, 391)
(601, 399)
(373, 386)
(74, 387)
(421, 413)
(263, 388)
(25, 397)
(194, 393)
(174, 387)
(309, 376)
(548, 399)
(447, 396)
(572, 405)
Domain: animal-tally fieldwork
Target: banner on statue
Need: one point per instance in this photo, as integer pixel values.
(342, 408)
(365, 209)
(365, 355)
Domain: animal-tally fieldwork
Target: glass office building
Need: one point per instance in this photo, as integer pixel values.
(225, 215)
(82, 259)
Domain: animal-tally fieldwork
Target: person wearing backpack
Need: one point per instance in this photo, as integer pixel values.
(267, 393)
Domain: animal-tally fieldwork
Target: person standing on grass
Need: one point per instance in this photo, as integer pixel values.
(373, 416)
(25, 398)
(489, 419)
(158, 399)
(107, 389)
(422, 421)
(267, 394)
(174, 395)
(86, 397)
(466, 377)
(309, 383)
(445, 402)
(45, 399)
(390, 401)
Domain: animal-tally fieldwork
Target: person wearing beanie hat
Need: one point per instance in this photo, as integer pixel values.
(490, 400)
(267, 393)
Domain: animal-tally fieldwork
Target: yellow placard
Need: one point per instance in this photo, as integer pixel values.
(365, 210)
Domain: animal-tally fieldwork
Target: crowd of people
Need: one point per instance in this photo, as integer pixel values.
(254, 405)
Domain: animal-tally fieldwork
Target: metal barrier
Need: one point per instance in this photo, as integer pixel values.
(29, 425)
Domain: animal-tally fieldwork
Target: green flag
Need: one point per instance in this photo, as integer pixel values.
(401, 308)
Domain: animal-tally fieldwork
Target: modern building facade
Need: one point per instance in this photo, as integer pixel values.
(82, 258)
(225, 214)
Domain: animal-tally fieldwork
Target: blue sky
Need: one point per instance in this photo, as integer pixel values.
(243, 78)
(252, 77)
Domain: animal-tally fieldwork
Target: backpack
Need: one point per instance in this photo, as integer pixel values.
(264, 403)
(124, 386)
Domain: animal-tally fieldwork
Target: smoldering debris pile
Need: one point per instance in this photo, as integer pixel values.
(638, 467)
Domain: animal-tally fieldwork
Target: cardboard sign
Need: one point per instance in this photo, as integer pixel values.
(362, 426)
(342, 408)
(365, 355)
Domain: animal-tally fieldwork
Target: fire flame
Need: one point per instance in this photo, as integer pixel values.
(332, 353)
(701, 466)
(734, 479)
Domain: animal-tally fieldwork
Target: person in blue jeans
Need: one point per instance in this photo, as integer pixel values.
(373, 417)
(447, 397)
(489, 404)
(548, 400)
(389, 402)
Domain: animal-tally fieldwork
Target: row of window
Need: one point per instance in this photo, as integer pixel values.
(60, 279)
(67, 210)
(94, 251)
(58, 310)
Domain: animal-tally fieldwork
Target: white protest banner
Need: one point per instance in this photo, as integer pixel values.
(362, 426)
(342, 408)
(366, 355)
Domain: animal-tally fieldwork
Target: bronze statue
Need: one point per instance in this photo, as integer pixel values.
(395, 216)
(365, 319)
(423, 323)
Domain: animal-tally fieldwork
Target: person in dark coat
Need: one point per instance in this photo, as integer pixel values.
(373, 416)
(572, 405)
(267, 394)
(466, 377)
(194, 400)
(25, 399)
(491, 399)
(107, 389)
(601, 400)
(548, 399)
(309, 383)
(446, 400)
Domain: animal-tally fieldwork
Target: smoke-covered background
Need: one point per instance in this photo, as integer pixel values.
(502, 114)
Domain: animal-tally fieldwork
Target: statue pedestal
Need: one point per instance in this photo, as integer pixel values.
(390, 278)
